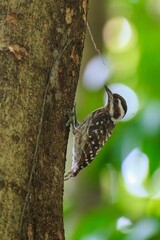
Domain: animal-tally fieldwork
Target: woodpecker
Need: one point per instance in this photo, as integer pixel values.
(91, 134)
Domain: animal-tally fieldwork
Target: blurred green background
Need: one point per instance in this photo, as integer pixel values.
(118, 195)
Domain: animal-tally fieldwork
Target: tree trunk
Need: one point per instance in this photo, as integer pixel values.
(41, 45)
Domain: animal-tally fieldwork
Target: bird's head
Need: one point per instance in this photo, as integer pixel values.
(116, 105)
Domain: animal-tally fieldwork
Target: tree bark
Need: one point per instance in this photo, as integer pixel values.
(41, 45)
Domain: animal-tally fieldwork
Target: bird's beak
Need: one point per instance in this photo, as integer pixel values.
(110, 95)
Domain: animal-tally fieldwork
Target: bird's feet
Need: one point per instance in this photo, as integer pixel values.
(72, 117)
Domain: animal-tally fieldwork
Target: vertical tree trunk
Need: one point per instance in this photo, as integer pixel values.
(41, 45)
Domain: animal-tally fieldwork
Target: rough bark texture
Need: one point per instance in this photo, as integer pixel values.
(41, 45)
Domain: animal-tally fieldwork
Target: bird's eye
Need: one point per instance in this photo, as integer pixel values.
(116, 101)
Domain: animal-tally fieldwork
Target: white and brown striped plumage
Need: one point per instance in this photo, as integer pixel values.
(91, 134)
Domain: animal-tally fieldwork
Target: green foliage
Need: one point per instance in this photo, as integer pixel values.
(99, 196)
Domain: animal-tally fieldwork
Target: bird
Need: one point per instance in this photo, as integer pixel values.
(91, 134)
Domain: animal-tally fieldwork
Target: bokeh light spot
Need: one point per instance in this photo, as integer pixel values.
(124, 224)
(118, 34)
(135, 170)
(96, 73)
(151, 118)
(144, 229)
